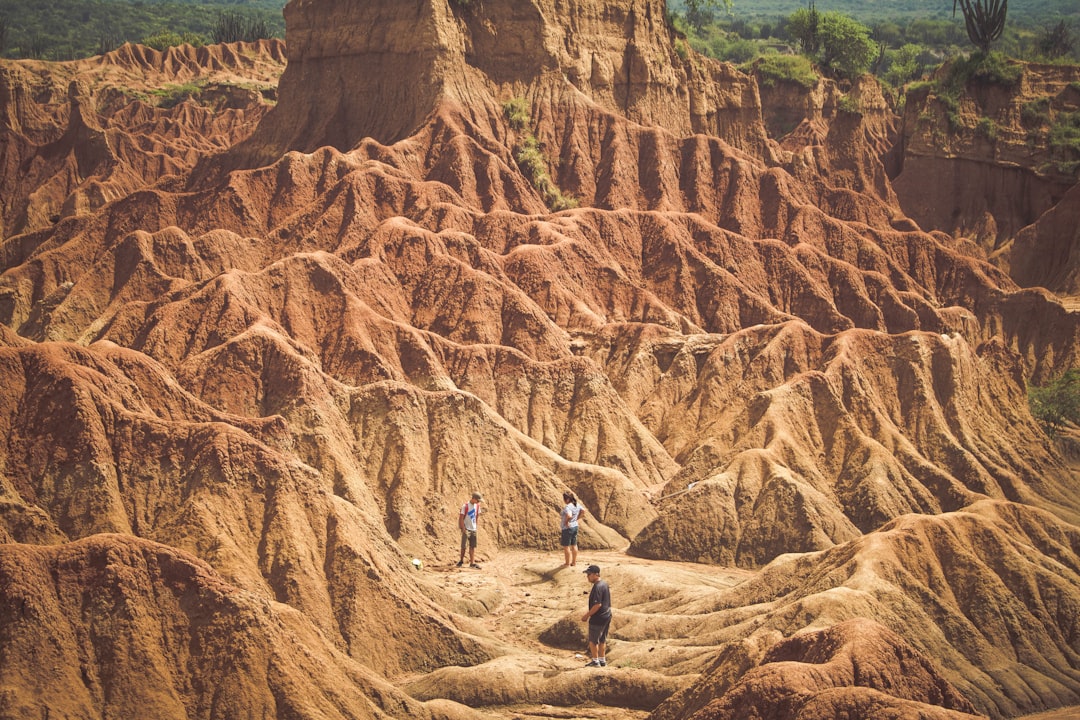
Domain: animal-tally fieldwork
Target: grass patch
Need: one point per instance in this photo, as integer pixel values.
(516, 111)
(1064, 141)
(987, 128)
(774, 68)
(951, 104)
(172, 95)
(532, 162)
(530, 157)
(990, 69)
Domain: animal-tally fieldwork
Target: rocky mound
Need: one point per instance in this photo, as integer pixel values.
(293, 360)
(994, 588)
(1043, 253)
(853, 669)
(130, 628)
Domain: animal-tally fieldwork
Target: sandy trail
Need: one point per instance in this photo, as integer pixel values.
(526, 592)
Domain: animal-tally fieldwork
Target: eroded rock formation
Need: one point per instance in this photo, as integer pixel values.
(283, 365)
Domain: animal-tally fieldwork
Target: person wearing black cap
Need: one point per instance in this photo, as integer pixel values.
(598, 617)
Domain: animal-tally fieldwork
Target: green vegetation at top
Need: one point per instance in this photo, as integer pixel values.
(1047, 125)
(69, 29)
(897, 41)
(1033, 14)
(775, 68)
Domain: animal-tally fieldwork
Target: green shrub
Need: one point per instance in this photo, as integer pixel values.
(904, 65)
(850, 105)
(517, 113)
(172, 95)
(163, 39)
(785, 68)
(680, 48)
(846, 46)
(1036, 113)
(532, 162)
(1057, 403)
(987, 128)
(737, 50)
(1065, 140)
(803, 25)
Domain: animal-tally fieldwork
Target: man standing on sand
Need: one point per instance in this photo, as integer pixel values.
(598, 617)
(467, 520)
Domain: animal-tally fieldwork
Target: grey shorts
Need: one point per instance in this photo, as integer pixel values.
(568, 537)
(468, 538)
(598, 631)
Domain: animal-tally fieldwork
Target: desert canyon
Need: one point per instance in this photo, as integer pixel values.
(258, 345)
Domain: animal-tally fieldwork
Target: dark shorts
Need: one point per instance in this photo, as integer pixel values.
(598, 631)
(468, 538)
(568, 537)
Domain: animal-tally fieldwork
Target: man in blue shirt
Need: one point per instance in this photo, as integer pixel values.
(598, 617)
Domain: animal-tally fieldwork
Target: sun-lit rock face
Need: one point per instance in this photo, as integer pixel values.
(379, 69)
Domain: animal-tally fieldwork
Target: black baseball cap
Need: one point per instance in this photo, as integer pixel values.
(592, 569)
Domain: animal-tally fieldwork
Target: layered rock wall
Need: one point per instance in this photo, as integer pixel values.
(980, 163)
(379, 70)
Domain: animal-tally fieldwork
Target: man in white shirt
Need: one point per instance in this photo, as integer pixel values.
(467, 521)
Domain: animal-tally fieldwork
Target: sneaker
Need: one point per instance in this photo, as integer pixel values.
(460, 563)
(593, 663)
(603, 662)
(474, 566)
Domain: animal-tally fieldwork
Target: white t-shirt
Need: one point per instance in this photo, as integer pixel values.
(470, 511)
(569, 516)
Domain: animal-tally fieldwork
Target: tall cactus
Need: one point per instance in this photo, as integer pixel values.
(985, 19)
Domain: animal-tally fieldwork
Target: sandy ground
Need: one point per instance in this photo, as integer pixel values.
(516, 595)
(1069, 713)
(523, 593)
(527, 591)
